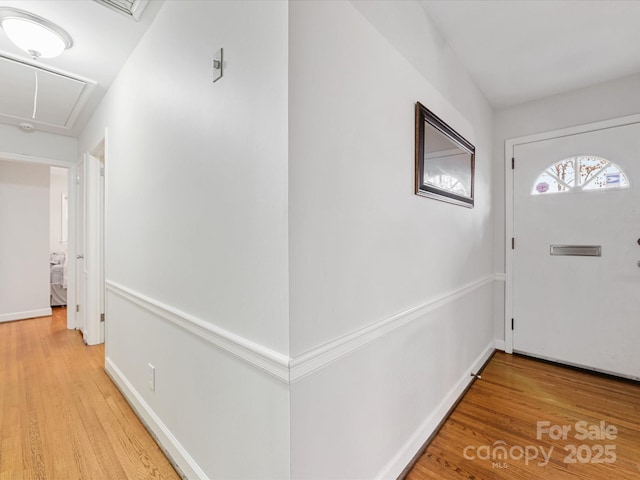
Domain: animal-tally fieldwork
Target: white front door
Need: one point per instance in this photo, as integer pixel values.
(577, 309)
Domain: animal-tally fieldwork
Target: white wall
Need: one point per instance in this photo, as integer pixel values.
(608, 100)
(59, 186)
(38, 144)
(196, 227)
(24, 241)
(365, 251)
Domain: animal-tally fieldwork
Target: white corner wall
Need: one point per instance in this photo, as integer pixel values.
(307, 315)
(196, 235)
(609, 100)
(24, 241)
(391, 293)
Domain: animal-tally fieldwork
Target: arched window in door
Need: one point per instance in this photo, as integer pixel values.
(581, 173)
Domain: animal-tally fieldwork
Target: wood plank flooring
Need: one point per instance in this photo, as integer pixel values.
(61, 417)
(503, 410)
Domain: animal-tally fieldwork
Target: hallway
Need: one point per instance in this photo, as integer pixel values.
(61, 417)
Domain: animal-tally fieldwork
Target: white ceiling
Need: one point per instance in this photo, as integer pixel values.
(102, 41)
(521, 50)
(516, 51)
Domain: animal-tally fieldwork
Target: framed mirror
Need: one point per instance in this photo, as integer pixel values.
(445, 161)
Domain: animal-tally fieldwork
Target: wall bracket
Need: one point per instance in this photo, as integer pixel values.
(218, 63)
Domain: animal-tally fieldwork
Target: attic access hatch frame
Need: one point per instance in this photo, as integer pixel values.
(77, 101)
(129, 8)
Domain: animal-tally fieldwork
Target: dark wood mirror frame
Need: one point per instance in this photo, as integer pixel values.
(452, 169)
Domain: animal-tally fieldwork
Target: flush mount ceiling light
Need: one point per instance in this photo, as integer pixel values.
(35, 35)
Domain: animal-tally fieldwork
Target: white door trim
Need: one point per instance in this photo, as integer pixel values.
(92, 249)
(71, 225)
(95, 194)
(509, 147)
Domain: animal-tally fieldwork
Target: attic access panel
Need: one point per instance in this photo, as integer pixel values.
(57, 98)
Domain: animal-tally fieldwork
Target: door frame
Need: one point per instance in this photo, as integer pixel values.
(95, 162)
(71, 222)
(509, 147)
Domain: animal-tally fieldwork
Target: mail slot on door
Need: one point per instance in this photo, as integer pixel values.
(577, 250)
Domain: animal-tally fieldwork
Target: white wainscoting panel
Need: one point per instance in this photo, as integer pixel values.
(257, 355)
(279, 365)
(448, 332)
(429, 426)
(206, 405)
(177, 454)
(323, 355)
(371, 411)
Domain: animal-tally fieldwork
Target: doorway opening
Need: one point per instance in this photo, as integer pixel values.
(59, 240)
(36, 254)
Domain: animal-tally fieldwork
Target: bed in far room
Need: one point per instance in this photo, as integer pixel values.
(58, 279)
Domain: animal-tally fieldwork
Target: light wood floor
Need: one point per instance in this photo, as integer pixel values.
(61, 417)
(505, 406)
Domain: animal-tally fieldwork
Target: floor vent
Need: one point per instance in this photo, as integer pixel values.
(130, 8)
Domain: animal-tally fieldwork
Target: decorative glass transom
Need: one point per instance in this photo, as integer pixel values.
(582, 173)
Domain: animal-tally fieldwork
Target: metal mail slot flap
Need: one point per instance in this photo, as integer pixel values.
(577, 250)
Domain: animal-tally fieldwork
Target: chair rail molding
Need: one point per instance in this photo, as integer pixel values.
(321, 356)
(291, 369)
(251, 352)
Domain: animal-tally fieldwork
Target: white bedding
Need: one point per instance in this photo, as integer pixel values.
(58, 279)
(57, 274)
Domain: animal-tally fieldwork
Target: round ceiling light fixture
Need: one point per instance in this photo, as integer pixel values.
(35, 35)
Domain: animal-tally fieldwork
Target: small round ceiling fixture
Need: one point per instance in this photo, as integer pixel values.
(35, 35)
(26, 126)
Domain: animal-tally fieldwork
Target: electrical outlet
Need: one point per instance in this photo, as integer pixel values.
(152, 378)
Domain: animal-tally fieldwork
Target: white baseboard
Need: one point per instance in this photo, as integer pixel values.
(182, 461)
(399, 462)
(10, 317)
(499, 344)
